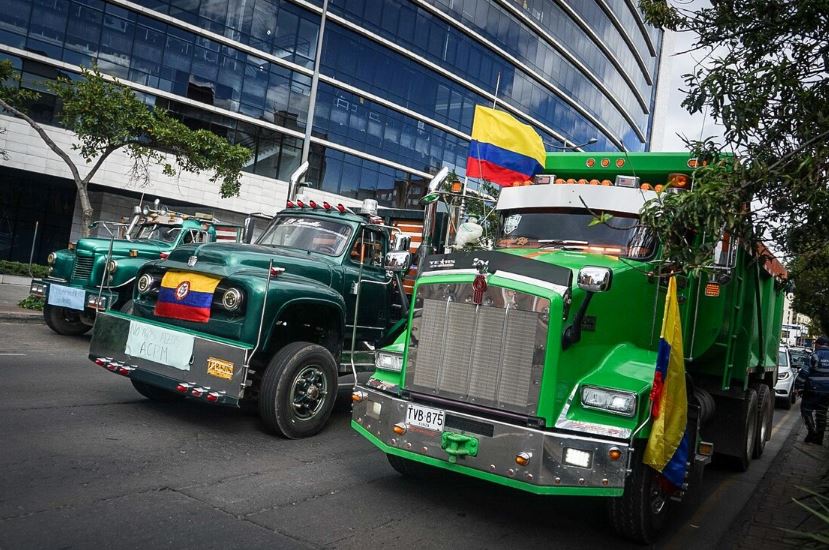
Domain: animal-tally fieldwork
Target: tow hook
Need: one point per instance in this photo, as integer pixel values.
(456, 445)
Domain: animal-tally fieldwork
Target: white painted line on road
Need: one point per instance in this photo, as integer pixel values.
(16, 354)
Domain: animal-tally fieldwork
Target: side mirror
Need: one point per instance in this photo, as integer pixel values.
(247, 234)
(594, 279)
(401, 242)
(398, 262)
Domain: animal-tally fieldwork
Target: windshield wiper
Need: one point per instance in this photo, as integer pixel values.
(560, 243)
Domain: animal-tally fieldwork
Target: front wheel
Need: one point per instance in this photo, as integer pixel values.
(64, 321)
(154, 393)
(298, 390)
(639, 514)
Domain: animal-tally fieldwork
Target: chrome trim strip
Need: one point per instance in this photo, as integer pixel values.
(448, 272)
(558, 289)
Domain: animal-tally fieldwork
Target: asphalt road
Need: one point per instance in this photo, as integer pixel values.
(86, 462)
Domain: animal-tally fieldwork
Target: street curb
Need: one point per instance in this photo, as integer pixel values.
(21, 317)
(742, 522)
(16, 280)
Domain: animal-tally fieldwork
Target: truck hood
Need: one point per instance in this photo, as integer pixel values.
(120, 247)
(228, 259)
(571, 259)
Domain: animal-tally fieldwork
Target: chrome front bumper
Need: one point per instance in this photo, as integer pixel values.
(498, 444)
(206, 368)
(93, 300)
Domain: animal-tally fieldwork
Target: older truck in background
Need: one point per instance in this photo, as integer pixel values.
(531, 365)
(95, 274)
(280, 320)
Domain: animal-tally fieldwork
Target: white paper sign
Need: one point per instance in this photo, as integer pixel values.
(66, 296)
(160, 345)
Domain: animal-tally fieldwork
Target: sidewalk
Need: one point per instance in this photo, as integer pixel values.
(12, 290)
(771, 509)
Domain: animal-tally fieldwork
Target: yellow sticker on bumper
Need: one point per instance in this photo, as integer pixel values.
(219, 368)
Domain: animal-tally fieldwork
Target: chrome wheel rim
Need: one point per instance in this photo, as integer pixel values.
(308, 392)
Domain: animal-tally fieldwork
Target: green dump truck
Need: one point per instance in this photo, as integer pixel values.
(97, 274)
(531, 364)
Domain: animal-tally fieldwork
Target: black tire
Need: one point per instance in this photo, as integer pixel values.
(64, 321)
(156, 394)
(639, 514)
(793, 398)
(128, 307)
(765, 418)
(298, 390)
(787, 402)
(742, 462)
(410, 468)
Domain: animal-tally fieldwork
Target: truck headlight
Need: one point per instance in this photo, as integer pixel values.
(145, 283)
(614, 401)
(232, 299)
(389, 361)
(112, 265)
(50, 259)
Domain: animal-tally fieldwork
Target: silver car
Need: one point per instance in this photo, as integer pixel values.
(784, 389)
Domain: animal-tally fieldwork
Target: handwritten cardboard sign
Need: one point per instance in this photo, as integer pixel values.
(160, 345)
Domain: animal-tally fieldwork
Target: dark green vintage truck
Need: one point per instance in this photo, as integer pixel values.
(96, 274)
(272, 325)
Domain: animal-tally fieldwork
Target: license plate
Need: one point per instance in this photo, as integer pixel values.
(67, 296)
(425, 417)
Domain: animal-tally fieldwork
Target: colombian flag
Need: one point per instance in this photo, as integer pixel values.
(667, 449)
(186, 296)
(503, 150)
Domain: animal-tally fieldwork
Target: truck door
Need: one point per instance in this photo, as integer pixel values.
(372, 319)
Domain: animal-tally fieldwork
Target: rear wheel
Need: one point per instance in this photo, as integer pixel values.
(154, 393)
(298, 390)
(750, 430)
(639, 514)
(64, 321)
(765, 416)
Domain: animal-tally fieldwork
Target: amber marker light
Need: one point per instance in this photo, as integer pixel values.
(522, 459)
(457, 187)
(559, 181)
(620, 163)
(399, 428)
(591, 163)
(605, 163)
(133, 253)
(614, 454)
(607, 182)
(358, 396)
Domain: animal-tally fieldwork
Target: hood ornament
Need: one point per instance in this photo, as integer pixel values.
(191, 261)
(479, 285)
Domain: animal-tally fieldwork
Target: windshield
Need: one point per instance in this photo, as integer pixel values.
(800, 357)
(571, 228)
(313, 234)
(156, 232)
(782, 358)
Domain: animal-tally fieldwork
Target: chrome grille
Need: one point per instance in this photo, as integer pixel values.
(83, 268)
(490, 354)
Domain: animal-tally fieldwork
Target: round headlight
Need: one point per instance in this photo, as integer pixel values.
(112, 266)
(232, 299)
(145, 283)
(50, 259)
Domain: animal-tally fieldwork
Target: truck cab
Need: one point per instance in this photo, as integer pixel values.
(97, 274)
(272, 325)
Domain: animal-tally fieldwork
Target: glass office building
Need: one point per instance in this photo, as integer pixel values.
(397, 81)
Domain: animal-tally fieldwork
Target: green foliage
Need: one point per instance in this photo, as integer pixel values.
(763, 78)
(22, 269)
(816, 502)
(811, 297)
(32, 302)
(106, 116)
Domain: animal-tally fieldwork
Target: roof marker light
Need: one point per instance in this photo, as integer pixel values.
(582, 181)
(607, 182)
(312, 204)
(326, 205)
(289, 204)
(300, 204)
(594, 182)
(559, 181)
(341, 208)
(646, 187)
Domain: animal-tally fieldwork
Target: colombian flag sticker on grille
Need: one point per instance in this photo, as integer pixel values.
(186, 296)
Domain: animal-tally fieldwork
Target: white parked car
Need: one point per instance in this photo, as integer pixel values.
(784, 389)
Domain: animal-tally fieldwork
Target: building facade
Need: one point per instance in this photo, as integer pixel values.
(396, 84)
